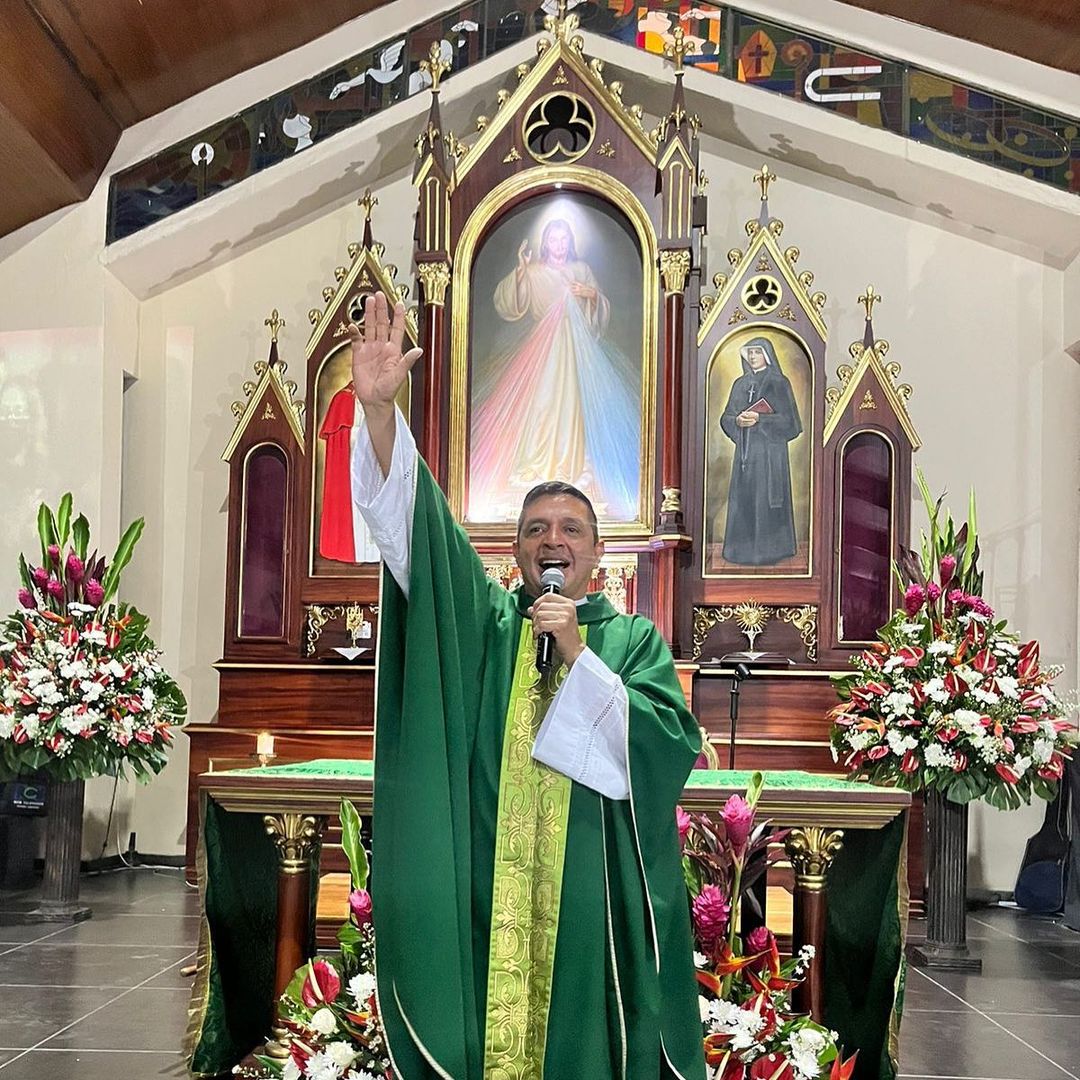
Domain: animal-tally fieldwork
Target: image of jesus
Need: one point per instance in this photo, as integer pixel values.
(558, 401)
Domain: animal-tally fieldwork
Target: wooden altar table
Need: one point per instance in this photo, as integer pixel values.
(846, 843)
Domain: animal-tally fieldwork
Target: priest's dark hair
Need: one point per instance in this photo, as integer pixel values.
(558, 487)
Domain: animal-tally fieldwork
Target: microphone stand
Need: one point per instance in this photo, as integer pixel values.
(740, 672)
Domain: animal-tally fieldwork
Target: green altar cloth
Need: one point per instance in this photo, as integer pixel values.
(231, 1001)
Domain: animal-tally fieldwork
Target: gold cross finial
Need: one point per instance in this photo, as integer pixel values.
(275, 322)
(435, 65)
(764, 178)
(677, 49)
(368, 202)
(868, 299)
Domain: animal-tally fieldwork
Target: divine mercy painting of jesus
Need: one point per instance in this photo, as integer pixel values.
(557, 294)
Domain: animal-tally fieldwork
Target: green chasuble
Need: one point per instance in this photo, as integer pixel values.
(527, 928)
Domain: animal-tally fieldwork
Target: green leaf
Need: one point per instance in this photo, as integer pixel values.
(46, 526)
(24, 574)
(80, 536)
(63, 519)
(122, 557)
(972, 536)
(753, 790)
(352, 846)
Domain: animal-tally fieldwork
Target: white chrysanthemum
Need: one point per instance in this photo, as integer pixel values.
(323, 1021)
(360, 1074)
(1021, 765)
(806, 954)
(892, 664)
(967, 720)
(937, 757)
(806, 1044)
(987, 697)
(939, 647)
(361, 987)
(898, 703)
(31, 724)
(910, 629)
(1008, 686)
(899, 743)
(321, 1066)
(1042, 750)
(700, 959)
(703, 1008)
(342, 1053)
(988, 749)
(860, 740)
(968, 674)
(935, 690)
(91, 691)
(7, 725)
(291, 1071)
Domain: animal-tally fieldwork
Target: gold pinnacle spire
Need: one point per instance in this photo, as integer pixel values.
(275, 322)
(677, 49)
(764, 178)
(868, 299)
(368, 202)
(435, 66)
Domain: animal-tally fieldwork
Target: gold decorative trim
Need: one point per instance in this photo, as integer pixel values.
(672, 503)
(868, 401)
(434, 279)
(512, 190)
(811, 849)
(318, 615)
(674, 269)
(752, 618)
(271, 375)
(296, 837)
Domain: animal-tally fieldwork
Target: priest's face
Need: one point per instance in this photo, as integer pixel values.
(556, 531)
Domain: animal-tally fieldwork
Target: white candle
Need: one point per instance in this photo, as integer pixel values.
(264, 744)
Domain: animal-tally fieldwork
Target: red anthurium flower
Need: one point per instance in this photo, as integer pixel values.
(984, 662)
(300, 1053)
(954, 684)
(144, 736)
(19, 735)
(855, 760)
(1032, 699)
(1006, 773)
(1008, 743)
(975, 635)
(728, 1065)
(321, 986)
(1024, 725)
(876, 753)
(70, 636)
(1028, 663)
(910, 762)
(112, 638)
(771, 1067)
(54, 742)
(911, 655)
(843, 1070)
(878, 688)
(919, 695)
(1053, 769)
(947, 734)
(961, 762)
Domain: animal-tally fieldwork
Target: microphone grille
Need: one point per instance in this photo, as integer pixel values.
(552, 576)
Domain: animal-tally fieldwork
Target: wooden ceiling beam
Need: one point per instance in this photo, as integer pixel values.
(56, 134)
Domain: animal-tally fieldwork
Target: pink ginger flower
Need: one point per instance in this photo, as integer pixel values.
(738, 817)
(26, 598)
(914, 598)
(54, 553)
(933, 592)
(54, 589)
(94, 592)
(40, 576)
(682, 822)
(710, 911)
(946, 570)
(759, 940)
(75, 568)
(360, 906)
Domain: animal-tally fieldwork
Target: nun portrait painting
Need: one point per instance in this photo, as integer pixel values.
(759, 517)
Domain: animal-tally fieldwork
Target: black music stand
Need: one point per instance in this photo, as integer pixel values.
(744, 665)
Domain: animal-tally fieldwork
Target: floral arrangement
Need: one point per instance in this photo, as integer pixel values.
(948, 700)
(329, 1008)
(750, 1030)
(82, 689)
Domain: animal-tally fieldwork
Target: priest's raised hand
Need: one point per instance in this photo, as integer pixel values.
(379, 370)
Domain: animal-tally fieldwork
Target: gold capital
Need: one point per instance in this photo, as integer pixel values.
(672, 503)
(296, 837)
(435, 66)
(811, 850)
(275, 322)
(764, 178)
(674, 269)
(868, 299)
(434, 278)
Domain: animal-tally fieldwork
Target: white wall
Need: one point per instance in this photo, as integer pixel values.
(978, 319)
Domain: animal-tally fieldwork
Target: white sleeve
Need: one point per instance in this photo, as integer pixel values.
(584, 732)
(386, 504)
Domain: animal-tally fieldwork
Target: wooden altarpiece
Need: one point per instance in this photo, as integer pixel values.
(563, 153)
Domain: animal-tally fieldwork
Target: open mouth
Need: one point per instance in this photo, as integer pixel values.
(562, 564)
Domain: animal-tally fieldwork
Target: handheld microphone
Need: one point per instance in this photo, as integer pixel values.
(552, 580)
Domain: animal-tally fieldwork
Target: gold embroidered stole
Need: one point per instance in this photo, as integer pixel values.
(530, 845)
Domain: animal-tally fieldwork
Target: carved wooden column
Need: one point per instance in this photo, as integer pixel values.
(946, 896)
(674, 270)
(811, 850)
(434, 280)
(63, 855)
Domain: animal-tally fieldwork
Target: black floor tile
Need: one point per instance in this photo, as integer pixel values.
(68, 964)
(21, 934)
(140, 1020)
(1058, 1037)
(131, 929)
(88, 1065)
(29, 1014)
(968, 1045)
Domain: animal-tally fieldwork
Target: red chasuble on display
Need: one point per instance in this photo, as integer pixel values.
(528, 928)
(343, 536)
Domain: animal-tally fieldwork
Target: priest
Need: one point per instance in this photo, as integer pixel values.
(531, 917)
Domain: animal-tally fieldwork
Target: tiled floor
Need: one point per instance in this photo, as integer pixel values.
(104, 1000)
